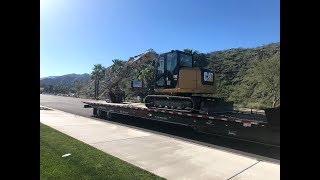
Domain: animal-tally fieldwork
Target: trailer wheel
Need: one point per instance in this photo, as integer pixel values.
(95, 111)
(109, 115)
(99, 113)
(102, 114)
(195, 129)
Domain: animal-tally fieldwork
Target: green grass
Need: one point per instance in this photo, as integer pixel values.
(85, 162)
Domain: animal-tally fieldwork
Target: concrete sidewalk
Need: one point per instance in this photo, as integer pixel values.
(165, 156)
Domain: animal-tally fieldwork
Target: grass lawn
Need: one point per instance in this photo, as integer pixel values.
(85, 162)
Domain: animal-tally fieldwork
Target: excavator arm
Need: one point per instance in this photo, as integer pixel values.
(114, 92)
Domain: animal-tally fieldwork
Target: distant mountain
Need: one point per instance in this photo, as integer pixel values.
(49, 77)
(65, 80)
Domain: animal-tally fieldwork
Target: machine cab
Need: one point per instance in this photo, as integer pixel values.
(168, 66)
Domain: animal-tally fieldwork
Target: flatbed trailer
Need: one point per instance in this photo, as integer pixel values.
(248, 127)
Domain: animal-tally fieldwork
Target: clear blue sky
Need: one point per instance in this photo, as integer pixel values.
(76, 34)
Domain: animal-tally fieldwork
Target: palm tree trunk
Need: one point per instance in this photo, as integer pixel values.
(97, 89)
(275, 101)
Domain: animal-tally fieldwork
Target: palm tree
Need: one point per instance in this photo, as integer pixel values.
(98, 72)
(200, 59)
(191, 51)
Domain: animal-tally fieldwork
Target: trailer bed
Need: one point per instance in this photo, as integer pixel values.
(244, 126)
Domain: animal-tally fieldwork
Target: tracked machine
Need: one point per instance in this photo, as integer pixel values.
(178, 84)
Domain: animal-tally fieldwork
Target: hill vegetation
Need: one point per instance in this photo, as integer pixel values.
(250, 76)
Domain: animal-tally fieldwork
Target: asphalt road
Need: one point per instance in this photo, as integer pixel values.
(67, 104)
(75, 106)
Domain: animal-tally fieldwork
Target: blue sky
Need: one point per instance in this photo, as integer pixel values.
(76, 34)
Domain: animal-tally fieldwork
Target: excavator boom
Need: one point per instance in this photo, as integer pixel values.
(116, 95)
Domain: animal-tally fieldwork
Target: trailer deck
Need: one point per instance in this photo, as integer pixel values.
(244, 126)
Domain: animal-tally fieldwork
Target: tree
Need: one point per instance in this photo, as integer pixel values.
(44, 88)
(190, 51)
(78, 87)
(50, 88)
(268, 77)
(98, 72)
(117, 66)
(200, 59)
(145, 73)
(260, 85)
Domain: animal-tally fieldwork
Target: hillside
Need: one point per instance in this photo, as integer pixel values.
(232, 68)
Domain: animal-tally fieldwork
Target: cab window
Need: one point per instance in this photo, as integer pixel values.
(185, 60)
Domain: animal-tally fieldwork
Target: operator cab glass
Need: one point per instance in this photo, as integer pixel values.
(172, 60)
(160, 71)
(186, 60)
(160, 65)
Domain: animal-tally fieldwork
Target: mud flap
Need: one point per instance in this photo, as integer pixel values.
(273, 116)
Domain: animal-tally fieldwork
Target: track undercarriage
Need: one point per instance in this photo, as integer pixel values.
(203, 105)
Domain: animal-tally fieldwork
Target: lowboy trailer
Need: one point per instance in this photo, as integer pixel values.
(257, 128)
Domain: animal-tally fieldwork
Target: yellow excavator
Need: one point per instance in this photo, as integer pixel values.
(178, 83)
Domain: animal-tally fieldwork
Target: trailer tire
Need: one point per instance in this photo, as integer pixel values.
(103, 114)
(108, 115)
(194, 128)
(99, 113)
(95, 111)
